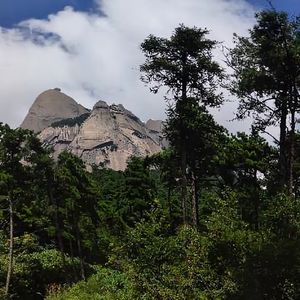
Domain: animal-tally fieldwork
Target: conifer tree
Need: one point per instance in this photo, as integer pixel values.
(184, 65)
(15, 150)
(266, 79)
(138, 195)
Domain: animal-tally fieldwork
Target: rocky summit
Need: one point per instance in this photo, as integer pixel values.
(105, 136)
(50, 106)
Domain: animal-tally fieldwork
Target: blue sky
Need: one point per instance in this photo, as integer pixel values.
(290, 6)
(14, 11)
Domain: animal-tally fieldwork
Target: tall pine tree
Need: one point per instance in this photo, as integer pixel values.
(184, 65)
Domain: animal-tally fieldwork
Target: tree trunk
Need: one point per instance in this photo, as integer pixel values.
(291, 160)
(256, 201)
(282, 155)
(194, 201)
(183, 142)
(169, 203)
(59, 235)
(11, 244)
(184, 183)
(78, 238)
(72, 258)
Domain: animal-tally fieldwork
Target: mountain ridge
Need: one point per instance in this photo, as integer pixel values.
(105, 136)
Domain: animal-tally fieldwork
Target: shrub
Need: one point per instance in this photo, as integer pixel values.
(33, 272)
(106, 284)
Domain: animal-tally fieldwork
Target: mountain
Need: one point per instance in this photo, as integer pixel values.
(51, 106)
(105, 137)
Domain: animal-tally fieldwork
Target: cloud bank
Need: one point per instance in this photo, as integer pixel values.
(91, 57)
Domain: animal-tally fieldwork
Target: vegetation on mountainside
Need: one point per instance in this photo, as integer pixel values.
(71, 121)
(215, 216)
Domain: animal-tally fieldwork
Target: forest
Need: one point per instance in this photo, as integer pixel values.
(214, 216)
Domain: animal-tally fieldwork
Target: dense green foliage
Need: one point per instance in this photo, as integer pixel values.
(105, 284)
(231, 231)
(71, 121)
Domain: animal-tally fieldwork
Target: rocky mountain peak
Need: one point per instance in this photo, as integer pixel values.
(51, 106)
(104, 137)
(100, 105)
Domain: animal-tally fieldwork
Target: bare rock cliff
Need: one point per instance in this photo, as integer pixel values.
(51, 106)
(105, 137)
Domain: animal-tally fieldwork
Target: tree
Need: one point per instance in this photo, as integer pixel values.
(46, 168)
(245, 164)
(76, 197)
(205, 140)
(166, 163)
(15, 150)
(266, 78)
(138, 192)
(184, 65)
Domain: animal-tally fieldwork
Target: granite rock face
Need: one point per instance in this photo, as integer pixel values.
(106, 137)
(51, 106)
(155, 125)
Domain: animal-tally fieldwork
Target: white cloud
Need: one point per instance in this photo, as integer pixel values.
(103, 53)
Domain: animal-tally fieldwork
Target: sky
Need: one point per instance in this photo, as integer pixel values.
(290, 6)
(90, 48)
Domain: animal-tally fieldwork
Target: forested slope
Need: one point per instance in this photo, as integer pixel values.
(215, 216)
